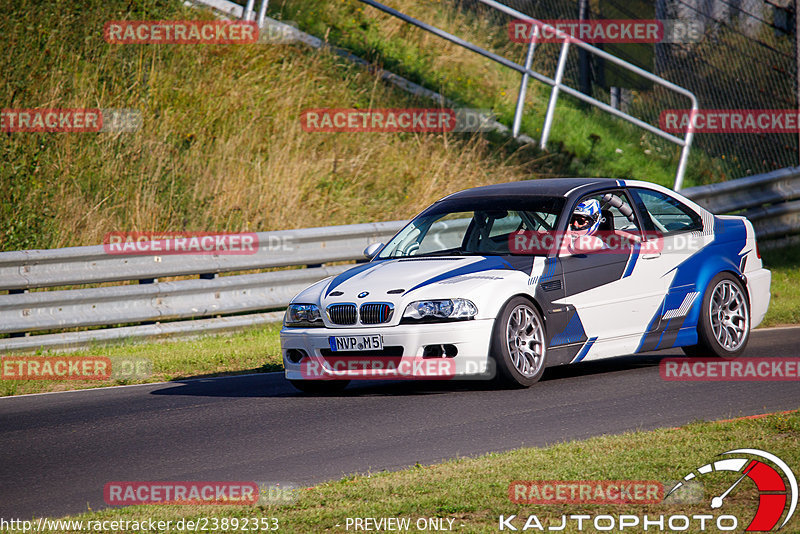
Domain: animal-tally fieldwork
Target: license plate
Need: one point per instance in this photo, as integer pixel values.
(348, 343)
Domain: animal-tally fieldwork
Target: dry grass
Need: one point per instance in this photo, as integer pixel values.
(221, 146)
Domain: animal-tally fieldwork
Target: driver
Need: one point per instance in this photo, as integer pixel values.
(586, 218)
(583, 226)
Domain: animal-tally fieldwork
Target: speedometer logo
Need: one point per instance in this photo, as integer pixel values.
(773, 493)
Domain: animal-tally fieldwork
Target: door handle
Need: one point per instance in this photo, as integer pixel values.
(651, 256)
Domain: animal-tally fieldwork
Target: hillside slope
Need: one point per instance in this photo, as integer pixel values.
(221, 147)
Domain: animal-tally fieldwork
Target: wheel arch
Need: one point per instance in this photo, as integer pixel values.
(715, 265)
(533, 301)
(729, 269)
(530, 298)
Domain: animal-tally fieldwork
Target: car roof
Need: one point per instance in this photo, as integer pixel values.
(542, 186)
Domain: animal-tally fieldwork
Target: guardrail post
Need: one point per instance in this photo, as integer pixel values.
(17, 292)
(248, 10)
(551, 106)
(262, 12)
(523, 86)
(685, 151)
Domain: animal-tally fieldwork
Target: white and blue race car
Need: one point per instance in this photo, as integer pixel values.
(509, 279)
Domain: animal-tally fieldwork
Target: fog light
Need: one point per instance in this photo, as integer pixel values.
(295, 355)
(432, 351)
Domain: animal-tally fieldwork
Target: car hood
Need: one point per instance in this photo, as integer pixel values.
(396, 280)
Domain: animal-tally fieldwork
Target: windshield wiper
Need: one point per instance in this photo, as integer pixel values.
(449, 252)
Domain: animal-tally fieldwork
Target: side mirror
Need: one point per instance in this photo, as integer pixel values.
(372, 249)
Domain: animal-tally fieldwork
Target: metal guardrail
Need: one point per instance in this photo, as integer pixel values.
(203, 300)
(28, 269)
(101, 306)
(557, 83)
(768, 200)
(215, 303)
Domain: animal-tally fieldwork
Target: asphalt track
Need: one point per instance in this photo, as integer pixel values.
(57, 451)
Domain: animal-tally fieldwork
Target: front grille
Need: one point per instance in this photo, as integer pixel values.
(376, 313)
(342, 313)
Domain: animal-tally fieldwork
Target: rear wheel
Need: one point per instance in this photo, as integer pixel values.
(724, 325)
(518, 344)
(320, 387)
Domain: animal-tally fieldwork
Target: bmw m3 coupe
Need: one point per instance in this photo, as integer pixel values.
(509, 279)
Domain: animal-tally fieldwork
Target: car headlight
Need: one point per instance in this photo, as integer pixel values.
(440, 310)
(302, 315)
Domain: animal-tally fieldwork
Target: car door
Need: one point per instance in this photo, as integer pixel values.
(681, 233)
(616, 291)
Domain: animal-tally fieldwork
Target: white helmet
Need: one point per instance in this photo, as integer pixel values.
(586, 217)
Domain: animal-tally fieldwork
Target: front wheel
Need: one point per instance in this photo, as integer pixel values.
(518, 344)
(320, 387)
(724, 325)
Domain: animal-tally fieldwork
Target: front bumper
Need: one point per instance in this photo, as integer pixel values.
(470, 338)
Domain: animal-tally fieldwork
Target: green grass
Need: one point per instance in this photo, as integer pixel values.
(255, 350)
(784, 305)
(474, 491)
(586, 141)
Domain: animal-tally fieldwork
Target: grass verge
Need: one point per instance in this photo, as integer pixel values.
(473, 492)
(784, 305)
(256, 350)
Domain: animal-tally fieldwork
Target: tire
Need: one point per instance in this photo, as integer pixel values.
(723, 328)
(518, 344)
(320, 387)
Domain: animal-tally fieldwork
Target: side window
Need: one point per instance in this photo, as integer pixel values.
(616, 212)
(669, 216)
(505, 225)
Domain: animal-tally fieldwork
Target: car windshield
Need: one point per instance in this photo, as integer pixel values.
(473, 226)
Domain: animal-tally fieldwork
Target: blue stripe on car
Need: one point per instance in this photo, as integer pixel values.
(572, 333)
(585, 350)
(549, 269)
(347, 275)
(489, 263)
(696, 272)
(632, 261)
